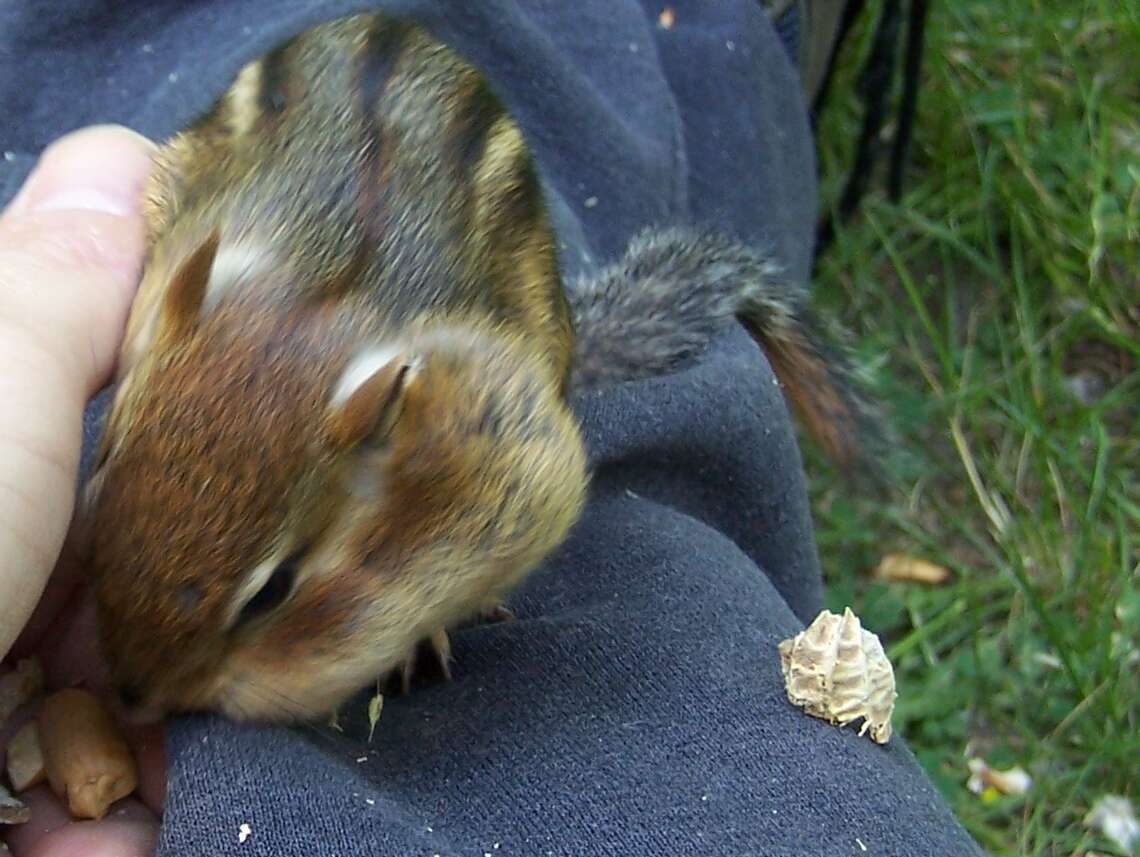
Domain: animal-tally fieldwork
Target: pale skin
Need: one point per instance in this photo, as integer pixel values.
(71, 245)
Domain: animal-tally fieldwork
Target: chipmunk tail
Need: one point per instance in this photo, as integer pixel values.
(820, 384)
(661, 305)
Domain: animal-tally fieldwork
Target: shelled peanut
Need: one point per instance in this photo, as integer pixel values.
(88, 763)
(20, 686)
(25, 758)
(12, 810)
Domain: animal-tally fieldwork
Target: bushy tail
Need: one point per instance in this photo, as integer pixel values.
(661, 305)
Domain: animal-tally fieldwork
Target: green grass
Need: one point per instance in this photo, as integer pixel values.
(1011, 266)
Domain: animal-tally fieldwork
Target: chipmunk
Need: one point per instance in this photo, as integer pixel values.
(341, 423)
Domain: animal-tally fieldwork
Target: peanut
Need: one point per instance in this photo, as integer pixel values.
(20, 686)
(12, 811)
(88, 762)
(25, 759)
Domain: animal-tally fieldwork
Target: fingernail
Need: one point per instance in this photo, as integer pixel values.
(82, 199)
(95, 169)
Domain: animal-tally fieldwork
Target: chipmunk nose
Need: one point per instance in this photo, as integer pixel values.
(130, 696)
(134, 707)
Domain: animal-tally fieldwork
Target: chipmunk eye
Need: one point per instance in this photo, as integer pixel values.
(275, 590)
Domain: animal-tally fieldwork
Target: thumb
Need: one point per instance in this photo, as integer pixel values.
(71, 244)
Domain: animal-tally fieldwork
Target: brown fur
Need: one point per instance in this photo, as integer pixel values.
(828, 416)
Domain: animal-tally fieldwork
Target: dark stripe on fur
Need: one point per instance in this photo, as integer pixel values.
(479, 111)
(381, 53)
(383, 48)
(520, 204)
(272, 94)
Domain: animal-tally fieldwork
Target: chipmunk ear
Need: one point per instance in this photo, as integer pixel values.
(182, 302)
(369, 398)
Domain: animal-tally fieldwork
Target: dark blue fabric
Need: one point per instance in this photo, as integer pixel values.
(636, 706)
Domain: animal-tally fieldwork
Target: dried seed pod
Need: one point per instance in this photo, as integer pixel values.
(20, 686)
(88, 762)
(12, 810)
(25, 759)
(839, 672)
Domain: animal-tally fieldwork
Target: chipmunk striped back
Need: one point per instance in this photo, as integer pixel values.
(368, 148)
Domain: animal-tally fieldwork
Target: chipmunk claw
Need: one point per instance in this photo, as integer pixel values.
(497, 613)
(431, 656)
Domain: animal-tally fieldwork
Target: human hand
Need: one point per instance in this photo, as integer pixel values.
(71, 245)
